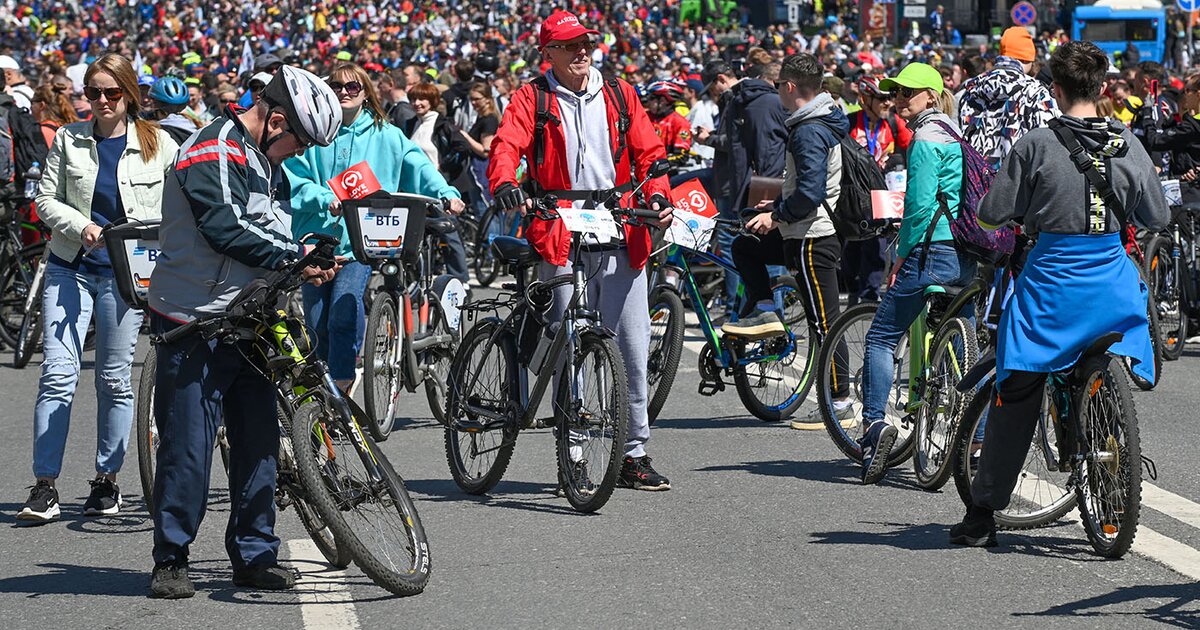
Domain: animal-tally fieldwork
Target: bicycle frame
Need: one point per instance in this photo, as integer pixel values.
(920, 337)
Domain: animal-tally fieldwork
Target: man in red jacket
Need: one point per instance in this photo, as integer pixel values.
(593, 133)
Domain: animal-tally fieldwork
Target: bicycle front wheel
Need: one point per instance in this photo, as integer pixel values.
(1163, 274)
(382, 372)
(776, 382)
(592, 408)
(1110, 472)
(147, 429)
(845, 349)
(1043, 493)
(484, 379)
(361, 499)
(666, 346)
(952, 354)
(291, 493)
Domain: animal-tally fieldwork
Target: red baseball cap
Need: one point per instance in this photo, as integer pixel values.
(562, 26)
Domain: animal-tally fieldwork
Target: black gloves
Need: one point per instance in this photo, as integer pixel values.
(509, 197)
(660, 199)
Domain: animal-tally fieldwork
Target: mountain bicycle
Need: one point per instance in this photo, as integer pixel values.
(413, 319)
(490, 400)
(338, 469)
(29, 335)
(924, 405)
(772, 376)
(1086, 451)
(1173, 276)
(19, 260)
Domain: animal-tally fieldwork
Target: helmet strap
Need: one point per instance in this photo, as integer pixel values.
(264, 143)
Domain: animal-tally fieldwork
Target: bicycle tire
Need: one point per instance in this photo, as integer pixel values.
(1141, 383)
(322, 536)
(932, 461)
(13, 285)
(484, 262)
(613, 429)
(381, 378)
(749, 385)
(463, 371)
(438, 359)
(323, 475)
(147, 431)
(846, 442)
(965, 446)
(666, 347)
(1163, 273)
(793, 305)
(27, 338)
(1122, 432)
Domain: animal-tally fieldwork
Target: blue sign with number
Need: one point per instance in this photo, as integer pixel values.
(1188, 5)
(1024, 14)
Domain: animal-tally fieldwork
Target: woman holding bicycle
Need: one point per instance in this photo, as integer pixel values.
(335, 309)
(934, 178)
(97, 172)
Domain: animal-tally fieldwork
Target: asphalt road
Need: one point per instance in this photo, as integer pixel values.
(765, 526)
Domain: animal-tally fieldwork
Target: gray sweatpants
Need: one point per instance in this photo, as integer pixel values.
(619, 294)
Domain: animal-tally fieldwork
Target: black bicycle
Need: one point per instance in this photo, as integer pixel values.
(339, 469)
(490, 401)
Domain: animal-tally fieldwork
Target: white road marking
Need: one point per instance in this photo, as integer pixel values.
(1167, 551)
(325, 599)
(1171, 504)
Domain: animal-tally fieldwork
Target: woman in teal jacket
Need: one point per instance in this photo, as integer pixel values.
(335, 309)
(934, 166)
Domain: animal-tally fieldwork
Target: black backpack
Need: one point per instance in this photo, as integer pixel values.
(612, 90)
(860, 175)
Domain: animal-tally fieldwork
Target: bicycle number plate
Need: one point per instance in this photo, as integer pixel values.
(142, 256)
(597, 221)
(691, 230)
(383, 230)
(1172, 192)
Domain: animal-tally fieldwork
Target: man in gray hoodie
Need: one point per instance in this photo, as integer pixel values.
(796, 228)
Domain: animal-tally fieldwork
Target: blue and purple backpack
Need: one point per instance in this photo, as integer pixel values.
(970, 237)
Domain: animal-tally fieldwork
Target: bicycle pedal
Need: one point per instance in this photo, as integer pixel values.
(544, 423)
(468, 426)
(710, 388)
(509, 286)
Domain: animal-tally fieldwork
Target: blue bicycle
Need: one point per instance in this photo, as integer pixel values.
(772, 376)
(495, 222)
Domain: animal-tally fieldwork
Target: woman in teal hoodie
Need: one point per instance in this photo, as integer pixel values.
(335, 309)
(934, 169)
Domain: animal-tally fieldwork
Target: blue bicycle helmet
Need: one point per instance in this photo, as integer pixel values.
(169, 91)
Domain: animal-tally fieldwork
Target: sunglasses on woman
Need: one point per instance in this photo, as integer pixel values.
(353, 88)
(113, 94)
(908, 92)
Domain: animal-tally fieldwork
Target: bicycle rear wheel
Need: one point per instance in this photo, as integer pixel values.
(30, 333)
(17, 268)
(483, 376)
(952, 354)
(484, 261)
(849, 332)
(437, 359)
(666, 346)
(1110, 472)
(775, 386)
(381, 369)
(1043, 494)
(592, 427)
(352, 486)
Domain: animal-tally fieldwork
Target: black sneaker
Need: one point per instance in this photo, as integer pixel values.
(105, 499)
(267, 577)
(583, 481)
(757, 325)
(637, 473)
(170, 581)
(876, 446)
(42, 506)
(977, 529)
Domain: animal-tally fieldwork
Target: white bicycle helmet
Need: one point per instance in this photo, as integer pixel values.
(312, 109)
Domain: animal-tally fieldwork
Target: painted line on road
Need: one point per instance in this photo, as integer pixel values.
(325, 599)
(1171, 504)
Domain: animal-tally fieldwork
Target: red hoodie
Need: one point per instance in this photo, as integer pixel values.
(514, 140)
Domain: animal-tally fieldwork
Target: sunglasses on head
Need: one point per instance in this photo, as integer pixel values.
(353, 88)
(113, 94)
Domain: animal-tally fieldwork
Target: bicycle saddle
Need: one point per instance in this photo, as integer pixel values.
(515, 251)
(440, 226)
(949, 292)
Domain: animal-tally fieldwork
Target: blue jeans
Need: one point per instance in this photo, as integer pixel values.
(68, 302)
(335, 311)
(898, 309)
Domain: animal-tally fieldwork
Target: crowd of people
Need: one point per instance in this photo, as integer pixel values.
(229, 120)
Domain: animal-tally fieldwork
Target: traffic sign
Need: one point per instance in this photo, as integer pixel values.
(1188, 5)
(1024, 13)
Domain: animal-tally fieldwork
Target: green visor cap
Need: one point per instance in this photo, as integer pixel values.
(917, 76)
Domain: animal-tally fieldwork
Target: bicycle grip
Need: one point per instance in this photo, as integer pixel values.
(642, 213)
(171, 336)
